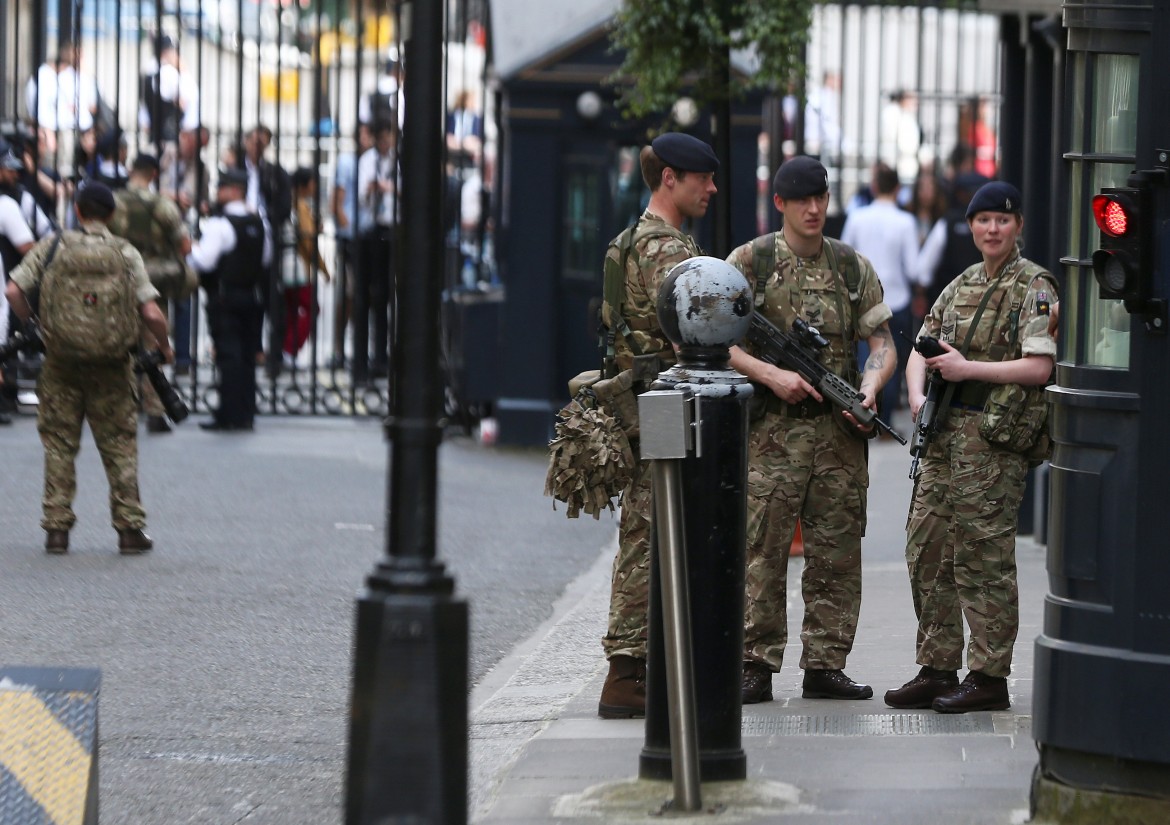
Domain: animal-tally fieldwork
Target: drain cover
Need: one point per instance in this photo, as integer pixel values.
(874, 724)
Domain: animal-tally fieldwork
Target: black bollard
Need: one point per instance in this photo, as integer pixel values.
(704, 306)
(408, 725)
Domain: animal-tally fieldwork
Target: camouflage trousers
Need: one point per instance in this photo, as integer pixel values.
(810, 470)
(103, 395)
(961, 549)
(630, 587)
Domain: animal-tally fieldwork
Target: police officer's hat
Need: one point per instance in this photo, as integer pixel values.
(997, 196)
(9, 160)
(95, 193)
(685, 153)
(800, 177)
(233, 177)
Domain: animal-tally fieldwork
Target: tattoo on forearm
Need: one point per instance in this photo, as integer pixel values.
(880, 352)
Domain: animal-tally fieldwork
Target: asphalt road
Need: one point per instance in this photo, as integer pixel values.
(226, 654)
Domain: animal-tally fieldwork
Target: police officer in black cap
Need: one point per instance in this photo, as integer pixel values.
(807, 458)
(231, 259)
(999, 351)
(679, 170)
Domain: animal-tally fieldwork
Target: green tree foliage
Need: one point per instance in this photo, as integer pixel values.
(674, 44)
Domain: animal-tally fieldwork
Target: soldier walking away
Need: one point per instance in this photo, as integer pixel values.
(231, 259)
(998, 352)
(152, 223)
(93, 296)
(679, 169)
(807, 460)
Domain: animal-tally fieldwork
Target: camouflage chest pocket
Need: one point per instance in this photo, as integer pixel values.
(821, 305)
(961, 313)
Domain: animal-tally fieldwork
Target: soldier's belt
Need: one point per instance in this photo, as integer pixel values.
(971, 394)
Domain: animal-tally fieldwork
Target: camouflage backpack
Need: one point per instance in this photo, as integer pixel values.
(88, 308)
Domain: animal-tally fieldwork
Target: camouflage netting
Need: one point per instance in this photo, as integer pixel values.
(590, 460)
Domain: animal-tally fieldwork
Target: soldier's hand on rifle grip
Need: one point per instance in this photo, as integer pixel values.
(951, 365)
(789, 386)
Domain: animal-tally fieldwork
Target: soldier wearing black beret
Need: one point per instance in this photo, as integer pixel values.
(799, 273)
(679, 171)
(998, 352)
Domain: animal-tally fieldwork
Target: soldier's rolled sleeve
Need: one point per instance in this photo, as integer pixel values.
(1035, 339)
(872, 310)
(28, 273)
(144, 291)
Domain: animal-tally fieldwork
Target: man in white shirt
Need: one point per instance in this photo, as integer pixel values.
(888, 236)
(377, 224)
(64, 100)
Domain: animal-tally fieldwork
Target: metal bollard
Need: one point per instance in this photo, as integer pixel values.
(665, 417)
(704, 306)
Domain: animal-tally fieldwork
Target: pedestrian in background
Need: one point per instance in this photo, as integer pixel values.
(888, 237)
(93, 294)
(807, 461)
(232, 258)
(679, 170)
(993, 322)
(299, 283)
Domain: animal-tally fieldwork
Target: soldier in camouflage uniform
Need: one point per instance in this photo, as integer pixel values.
(961, 530)
(72, 391)
(153, 224)
(679, 169)
(807, 460)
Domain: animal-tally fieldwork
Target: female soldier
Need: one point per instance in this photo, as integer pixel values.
(997, 354)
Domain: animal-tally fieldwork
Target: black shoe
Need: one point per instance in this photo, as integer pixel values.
(923, 689)
(219, 426)
(56, 542)
(833, 684)
(757, 683)
(978, 692)
(5, 418)
(157, 424)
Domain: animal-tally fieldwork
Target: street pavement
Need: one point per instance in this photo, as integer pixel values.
(226, 654)
(541, 754)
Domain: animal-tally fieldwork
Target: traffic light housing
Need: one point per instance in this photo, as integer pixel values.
(1123, 265)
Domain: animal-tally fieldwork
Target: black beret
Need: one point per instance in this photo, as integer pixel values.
(997, 196)
(146, 161)
(233, 177)
(800, 177)
(685, 153)
(97, 194)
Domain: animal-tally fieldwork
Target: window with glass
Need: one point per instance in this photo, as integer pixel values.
(582, 221)
(1103, 143)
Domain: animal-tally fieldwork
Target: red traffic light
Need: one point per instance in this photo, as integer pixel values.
(1115, 214)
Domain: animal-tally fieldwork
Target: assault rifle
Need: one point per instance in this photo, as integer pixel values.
(797, 351)
(147, 363)
(26, 340)
(927, 424)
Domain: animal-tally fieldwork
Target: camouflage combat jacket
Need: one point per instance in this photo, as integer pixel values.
(808, 288)
(153, 224)
(647, 267)
(1014, 322)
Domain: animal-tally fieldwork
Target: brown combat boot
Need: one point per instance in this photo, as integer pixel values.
(624, 693)
(56, 541)
(757, 683)
(923, 689)
(978, 692)
(133, 542)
